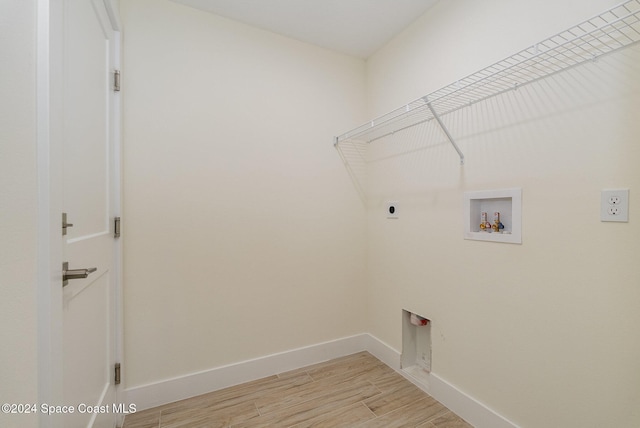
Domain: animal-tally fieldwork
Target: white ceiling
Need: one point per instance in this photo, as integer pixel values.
(354, 27)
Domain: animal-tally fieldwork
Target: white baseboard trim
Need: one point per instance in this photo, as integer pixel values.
(179, 388)
(382, 351)
(191, 385)
(465, 406)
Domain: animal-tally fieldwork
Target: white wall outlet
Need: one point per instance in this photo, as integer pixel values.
(392, 209)
(614, 205)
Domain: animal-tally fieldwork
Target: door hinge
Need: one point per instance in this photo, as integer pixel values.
(65, 224)
(116, 81)
(116, 377)
(116, 227)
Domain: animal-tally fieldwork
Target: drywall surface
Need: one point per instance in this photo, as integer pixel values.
(544, 333)
(18, 208)
(243, 236)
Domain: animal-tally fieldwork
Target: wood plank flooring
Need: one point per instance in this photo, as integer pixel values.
(353, 391)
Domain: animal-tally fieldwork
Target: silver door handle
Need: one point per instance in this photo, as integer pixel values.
(68, 274)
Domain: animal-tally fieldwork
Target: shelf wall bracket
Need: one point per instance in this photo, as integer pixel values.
(444, 129)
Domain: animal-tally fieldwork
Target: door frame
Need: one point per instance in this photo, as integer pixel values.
(49, 38)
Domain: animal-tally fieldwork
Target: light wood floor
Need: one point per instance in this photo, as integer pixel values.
(353, 391)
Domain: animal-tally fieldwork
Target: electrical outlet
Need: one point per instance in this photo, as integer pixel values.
(614, 205)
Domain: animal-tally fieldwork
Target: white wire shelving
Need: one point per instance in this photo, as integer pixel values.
(610, 31)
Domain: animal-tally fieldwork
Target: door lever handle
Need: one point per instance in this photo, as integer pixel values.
(68, 274)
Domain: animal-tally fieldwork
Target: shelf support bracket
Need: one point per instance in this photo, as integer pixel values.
(445, 130)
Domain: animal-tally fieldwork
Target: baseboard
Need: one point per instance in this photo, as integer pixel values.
(170, 390)
(191, 385)
(465, 406)
(382, 351)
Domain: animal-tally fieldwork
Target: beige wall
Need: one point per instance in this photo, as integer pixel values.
(242, 233)
(18, 196)
(544, 333)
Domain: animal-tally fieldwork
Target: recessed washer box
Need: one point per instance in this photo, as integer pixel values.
(416, 347)
(507, 202)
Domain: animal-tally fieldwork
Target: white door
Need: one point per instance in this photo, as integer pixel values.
(89, 190)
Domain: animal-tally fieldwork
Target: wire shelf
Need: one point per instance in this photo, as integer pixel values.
(612, 30)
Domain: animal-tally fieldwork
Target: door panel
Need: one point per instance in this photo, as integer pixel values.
(86, 120)
(89, 312)
(86, 368)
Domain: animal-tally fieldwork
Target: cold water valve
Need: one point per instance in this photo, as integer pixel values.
(497, 224)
